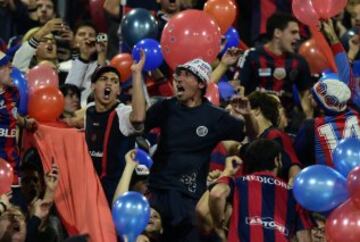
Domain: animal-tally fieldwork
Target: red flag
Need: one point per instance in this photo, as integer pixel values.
(79, 198)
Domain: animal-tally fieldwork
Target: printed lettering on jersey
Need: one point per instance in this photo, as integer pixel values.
(7, 133)
(97, 154)
(266, 180)
(267, 223)
(351, 129)
(263, 72)
(202, 131)
(279, 73)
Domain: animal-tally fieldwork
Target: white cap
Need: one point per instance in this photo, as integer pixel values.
(199, 68)
(332, 94)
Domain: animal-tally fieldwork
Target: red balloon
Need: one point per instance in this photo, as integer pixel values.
(305, 12)
(188, 35)
(122, 62)
(42, 76)
(97, 15)
(46, 104)
(6, 176)
(328, 8)
(316, 59)
(343, 224)
(353, 180)
(212, 94)
(224, 12)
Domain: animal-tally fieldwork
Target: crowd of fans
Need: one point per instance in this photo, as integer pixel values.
(220, 173)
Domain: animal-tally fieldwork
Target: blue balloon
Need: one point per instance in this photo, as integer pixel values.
(20, 82)
(232, 39)
(226, 90)
(152, 49)
(131, 214)
(346, 155)
(320, 188)
(143, 158)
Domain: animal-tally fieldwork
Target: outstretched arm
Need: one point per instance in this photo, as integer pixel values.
(124, 183)
(137, 116)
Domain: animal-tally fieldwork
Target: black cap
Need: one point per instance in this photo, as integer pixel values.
(101, 70)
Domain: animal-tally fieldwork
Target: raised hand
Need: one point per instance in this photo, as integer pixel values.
(232, 165)
(240, 105)
(231, 56)
(137, 67)
(52, 178)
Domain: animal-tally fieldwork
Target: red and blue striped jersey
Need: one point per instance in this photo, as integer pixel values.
(9, 99)
(329, 130)
(264, 209)
(288, 154)
(260, 69)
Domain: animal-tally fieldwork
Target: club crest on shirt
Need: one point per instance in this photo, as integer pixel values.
(279, 73)
(202, 131)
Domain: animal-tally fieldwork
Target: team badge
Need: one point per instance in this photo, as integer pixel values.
(280, 73)
(202, 131)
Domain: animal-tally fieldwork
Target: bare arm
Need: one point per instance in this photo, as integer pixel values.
(240, 106)
(229, 58)
(124, 183)
(203, 213)
(138, 104)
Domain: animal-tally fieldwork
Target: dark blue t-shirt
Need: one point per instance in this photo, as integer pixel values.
(187, 137)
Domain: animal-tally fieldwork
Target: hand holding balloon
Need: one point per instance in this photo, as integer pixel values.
(138, 157)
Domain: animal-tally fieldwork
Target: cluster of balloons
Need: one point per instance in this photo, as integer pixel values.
(310, 12)
(39, 93)
(139, 30)
(46, 102)
(321, 188)
(131, 211)
(343, 223)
